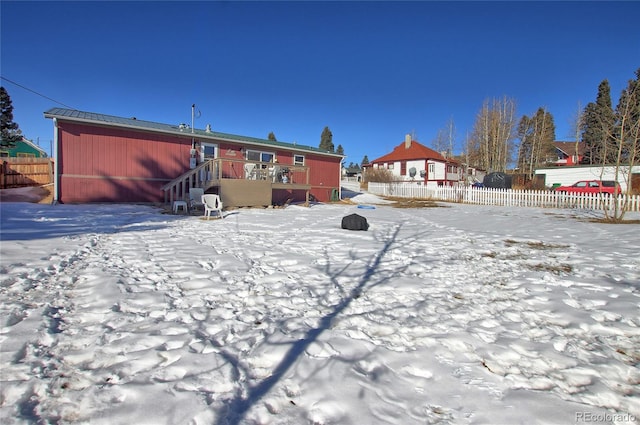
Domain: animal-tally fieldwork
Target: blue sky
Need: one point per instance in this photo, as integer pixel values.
(370, 71)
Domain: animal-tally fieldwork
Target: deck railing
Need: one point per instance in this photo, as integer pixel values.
(210, 172)
(507, 197)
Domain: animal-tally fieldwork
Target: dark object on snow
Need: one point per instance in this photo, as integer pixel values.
(354, 222)
(497, 181)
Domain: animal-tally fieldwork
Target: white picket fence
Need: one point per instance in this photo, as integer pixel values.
(505, 197)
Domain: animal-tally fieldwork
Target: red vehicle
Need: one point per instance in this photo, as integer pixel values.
(608, 187)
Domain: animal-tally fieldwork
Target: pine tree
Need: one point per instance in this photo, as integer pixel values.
(326, 140)
(10, 130)
(598, 130)
(537, 136)
(272, 137)
(340, 150)
(365, 160)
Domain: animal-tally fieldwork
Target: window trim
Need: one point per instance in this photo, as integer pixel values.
(216, 150)
(260, 155)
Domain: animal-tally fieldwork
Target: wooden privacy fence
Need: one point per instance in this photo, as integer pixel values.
(506, 197)
(19, 172)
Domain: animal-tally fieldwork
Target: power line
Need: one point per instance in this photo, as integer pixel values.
(39, 94)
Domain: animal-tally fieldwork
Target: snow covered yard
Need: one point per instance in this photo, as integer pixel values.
(469, 315)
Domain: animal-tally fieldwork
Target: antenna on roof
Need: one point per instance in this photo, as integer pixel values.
(193, 113)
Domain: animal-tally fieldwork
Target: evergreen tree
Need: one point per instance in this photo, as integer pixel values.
(326, 140)
(537, 136)
(627, 118)
(598, 127)
(10, 131)
(272, 137)
(365, 160)
(340, 150)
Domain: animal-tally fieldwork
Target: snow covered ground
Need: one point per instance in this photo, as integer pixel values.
(117, 314)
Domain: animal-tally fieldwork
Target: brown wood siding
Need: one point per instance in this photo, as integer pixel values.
(100, 164)
(29, 171)
(324, 173)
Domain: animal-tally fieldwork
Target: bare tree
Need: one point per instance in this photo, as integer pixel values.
(445, 139)
(439, 144)
(491, 144)
(626, 142)
(576, 128)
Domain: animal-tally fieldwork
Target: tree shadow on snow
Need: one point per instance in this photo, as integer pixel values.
(246, 398)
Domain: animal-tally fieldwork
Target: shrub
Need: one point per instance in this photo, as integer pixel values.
(378, 175)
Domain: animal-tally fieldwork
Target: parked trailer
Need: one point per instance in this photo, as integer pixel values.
(566, 176)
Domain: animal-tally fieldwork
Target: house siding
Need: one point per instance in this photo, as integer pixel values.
(101, 163)
(324, 176)
(23, 148)
(411, 154)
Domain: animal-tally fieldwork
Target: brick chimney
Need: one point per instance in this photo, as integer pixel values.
(407, 141)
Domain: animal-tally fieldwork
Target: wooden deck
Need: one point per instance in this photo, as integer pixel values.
(237, 185)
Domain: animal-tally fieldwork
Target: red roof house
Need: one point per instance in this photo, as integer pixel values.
(569, 153)
(103, 158)
(412, 161)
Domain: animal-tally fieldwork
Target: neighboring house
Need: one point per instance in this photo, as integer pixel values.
(352, 173)
(23, 149)
(104, 158)
(474, 175)
(568, 153)
(412, 161)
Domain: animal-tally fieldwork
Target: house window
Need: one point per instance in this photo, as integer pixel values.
(4, 154)
(432, 168)
(260, 156)
(298, 159)
(25, 155)
(403, 168)
(390, 166)
(208, 151)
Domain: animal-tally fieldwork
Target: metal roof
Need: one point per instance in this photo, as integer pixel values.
(179, 129)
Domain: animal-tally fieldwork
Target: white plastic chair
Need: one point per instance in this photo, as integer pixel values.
(250, 171)
(275, 173)
(212, 203)
(195, 197)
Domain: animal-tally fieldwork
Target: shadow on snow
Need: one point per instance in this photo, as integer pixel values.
(238, 407)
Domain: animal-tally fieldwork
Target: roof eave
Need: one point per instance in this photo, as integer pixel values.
(199, 134)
